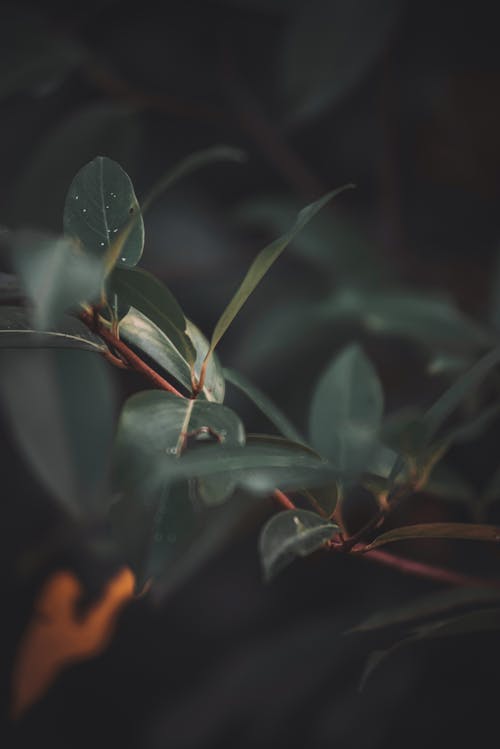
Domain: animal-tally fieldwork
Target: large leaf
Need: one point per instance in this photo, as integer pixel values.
(99, 205)
(137, 330)
(187, 166)
(458, 392)
(139, 289)
(55, 274)
(329, 47)
(61, 409)
(16, 331)
(346, 411)
(290, 534)
(464, 531)
(264, 404)
(263, 262)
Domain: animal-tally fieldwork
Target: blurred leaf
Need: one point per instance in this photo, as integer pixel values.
(61, 409)
(473, 429)
(263, 262)
(456, 394)
(55, 274)
(55, 159)
(431, 605)
(332, 243)
(448, 364)
(143, 291)
(290, 534)
(491, 493)
(191, 164)
(138, 330)
(100, 202)
(264, 404)
(445, 483)
(155, 424)
(346, 411)
(330, 47)
(463, 531)
(16, 331)
(32, 53)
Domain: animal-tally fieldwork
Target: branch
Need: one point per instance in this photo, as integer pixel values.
(130, 357)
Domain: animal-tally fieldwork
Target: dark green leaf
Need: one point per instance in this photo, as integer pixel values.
(329, 47)
(456, 394)
(264, 404)
(189, 165)
(445, 483)
(263, 262)
(55, 274)
(464, 531)
(16, 331)
(99, 205)
(429, 606)
(290, 534)
(61, 409)
(346, 411)
(141, 290)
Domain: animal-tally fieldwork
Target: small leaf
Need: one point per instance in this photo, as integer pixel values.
(56, 276)
(61, 408)
(191, 164)
(290, 534)
(137, 330)
(143, 291)
(16, 331)
(99, 205)
(263, 262)
(346, 411)
(456, 394)
(264, 404)
(464, 531)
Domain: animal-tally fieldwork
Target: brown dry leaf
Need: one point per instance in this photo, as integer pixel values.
(58, 636)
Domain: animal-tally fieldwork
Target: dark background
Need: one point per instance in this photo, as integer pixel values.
(401, 98)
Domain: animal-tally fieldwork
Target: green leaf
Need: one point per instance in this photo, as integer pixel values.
(264, 404)
(346, 411)
(263, 262)
(330, 47)
(61, 408)
(445, 483)
(191, 164)
(464, 531)
(160, 425)
(143, 291)
(16, 331)
(137, 330)
(456, 394)
(99, 205)
(55, 274)
(428, 606)
(290, 534)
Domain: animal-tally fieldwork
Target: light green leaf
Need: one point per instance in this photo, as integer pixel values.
(290, 534)
(139, 289)
(55, 274)
(16, 331)
(99, 205)
(191, 164)
(61, 408)
(263, 262)
(329, 47)
(137, 330)
(346, 411)
(463, 531)
(456, 394)
(264, 404)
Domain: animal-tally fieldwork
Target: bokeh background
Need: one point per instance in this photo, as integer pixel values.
(400, 98)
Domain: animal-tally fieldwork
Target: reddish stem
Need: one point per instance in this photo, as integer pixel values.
(284, 501)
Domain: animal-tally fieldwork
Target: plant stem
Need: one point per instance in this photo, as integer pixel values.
(130, 357)
(284, 501)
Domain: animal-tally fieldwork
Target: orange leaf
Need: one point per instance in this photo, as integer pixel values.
(58, 636)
